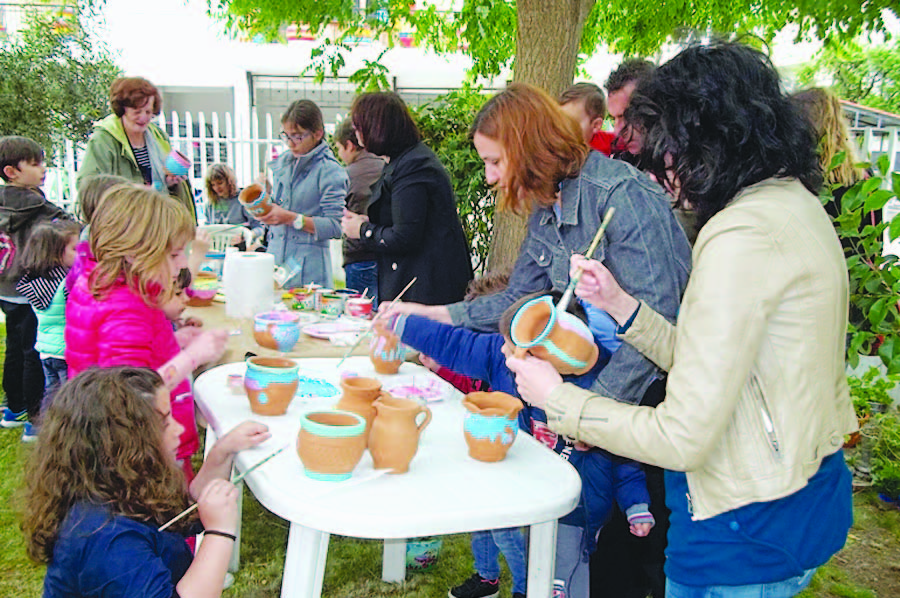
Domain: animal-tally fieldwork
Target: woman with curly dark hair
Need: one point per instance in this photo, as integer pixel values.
(104, 479)
(756, 403)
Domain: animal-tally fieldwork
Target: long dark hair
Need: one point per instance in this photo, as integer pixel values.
(45, 247)
(715, 120)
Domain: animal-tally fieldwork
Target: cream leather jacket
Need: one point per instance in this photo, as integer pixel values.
(757, 392)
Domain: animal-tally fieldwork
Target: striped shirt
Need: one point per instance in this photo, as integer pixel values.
(142, 156)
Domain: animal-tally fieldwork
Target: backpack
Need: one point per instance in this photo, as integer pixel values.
(7, 252)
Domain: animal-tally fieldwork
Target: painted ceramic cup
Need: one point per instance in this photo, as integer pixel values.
(177, 163)
(490, 426)
(270, 383)
(330, 444)
(385, 350)
(203, 290)
(255, 199)
(558, 337)
(359, 307)
(278, 330)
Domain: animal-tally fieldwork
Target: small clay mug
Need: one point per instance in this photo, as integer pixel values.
(330, 444)
(255, 199)
(278, 330)
(270, 383)
(490, 426)
(177, 163)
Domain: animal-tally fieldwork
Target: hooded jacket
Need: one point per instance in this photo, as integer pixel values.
(20, 210)
(109, 152)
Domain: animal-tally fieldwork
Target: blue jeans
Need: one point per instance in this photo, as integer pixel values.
(487, 546)
(56, 372)
(779, 589)
(361, 276)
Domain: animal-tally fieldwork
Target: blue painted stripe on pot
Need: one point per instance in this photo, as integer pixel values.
(491, 427)
(547, 327)
(330, 431)
(327, 477)
(266, 376)
(562, 355)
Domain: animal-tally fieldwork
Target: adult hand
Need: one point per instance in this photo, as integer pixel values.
(351, 223)
(208, 346)
(535, 378)
(246, 435)
(218, 506)
(278, 215)
(173, 180)
(598, 287)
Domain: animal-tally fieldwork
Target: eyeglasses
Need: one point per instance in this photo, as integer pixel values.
(294, 138)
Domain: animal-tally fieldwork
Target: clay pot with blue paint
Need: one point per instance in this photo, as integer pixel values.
(255, 199)
(556, 336)
(278, 330)
(490, 426)
(270, 383)
(177, 164)
(331, 443)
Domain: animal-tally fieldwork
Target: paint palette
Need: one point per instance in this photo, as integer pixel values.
(426, 389)
(341, 326)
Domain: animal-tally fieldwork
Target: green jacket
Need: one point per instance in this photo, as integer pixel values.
(108, 152)
(52, 324)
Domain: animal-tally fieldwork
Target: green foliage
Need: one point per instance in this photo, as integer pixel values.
(862, 73)
(55, 83)
(870, 391)
(444, 124)
(885, 461)
(874, 278)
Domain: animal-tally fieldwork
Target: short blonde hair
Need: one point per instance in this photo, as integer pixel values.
(131, 237)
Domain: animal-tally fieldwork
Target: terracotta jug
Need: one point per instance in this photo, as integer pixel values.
(490, 426)
(558, 337)
(386, 351)
(359, 395)
(255, 199)
(395, 433)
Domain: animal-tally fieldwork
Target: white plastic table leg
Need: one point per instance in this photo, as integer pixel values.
(541, 559)
(304, 563)
(393, 561)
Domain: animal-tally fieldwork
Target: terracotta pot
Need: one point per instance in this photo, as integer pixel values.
(277, 330)
(177, 163)
(203, 290)
(554, 336)
(270, 383)
(359, 396)
(255, 199)
(490, 426)
(330, 444)
(385, 350)
(394, 439)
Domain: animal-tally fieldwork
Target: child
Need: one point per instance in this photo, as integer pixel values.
(175, 307)
(222, 192)
(114, 314)
(363, 170)
(48, 256)
(603, 475)
(22, 206)
(105, 480)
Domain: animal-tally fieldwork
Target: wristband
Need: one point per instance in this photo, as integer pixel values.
(214, 532)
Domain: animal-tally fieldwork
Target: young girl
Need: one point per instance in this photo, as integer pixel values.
(48, 256)
(222, 193)
(114, 313)
(105, 480)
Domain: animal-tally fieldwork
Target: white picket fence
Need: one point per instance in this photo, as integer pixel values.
(244, 146)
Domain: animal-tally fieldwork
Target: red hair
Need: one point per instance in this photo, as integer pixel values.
(132, 92)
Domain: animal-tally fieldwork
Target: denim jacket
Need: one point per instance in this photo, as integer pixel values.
(644, 248)
(314, 185)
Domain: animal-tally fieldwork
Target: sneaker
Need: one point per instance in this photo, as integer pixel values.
(476, 587)
(29, 432)
(13, 420)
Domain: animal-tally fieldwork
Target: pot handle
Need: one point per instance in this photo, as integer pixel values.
(425, 421)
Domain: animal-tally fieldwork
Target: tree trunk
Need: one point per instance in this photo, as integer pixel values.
(547, 41)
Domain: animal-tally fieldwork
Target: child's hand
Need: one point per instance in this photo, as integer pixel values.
(246, 435)
(208, 346)
(429, 362)
(192, 322)
(218, 506)
(186, 335)
(640, 529)
(535, 378)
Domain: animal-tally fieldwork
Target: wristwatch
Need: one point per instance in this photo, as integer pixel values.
(299, 221)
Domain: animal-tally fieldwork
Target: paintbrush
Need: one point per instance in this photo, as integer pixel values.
(369, 329)
(570, 289)
(237, 479)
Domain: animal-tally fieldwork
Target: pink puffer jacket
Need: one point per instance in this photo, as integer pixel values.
(120, 329)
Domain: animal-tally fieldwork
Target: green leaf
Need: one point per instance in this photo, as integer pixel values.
(894, 229)
(876, 200)
(884, 164)
(878, 311)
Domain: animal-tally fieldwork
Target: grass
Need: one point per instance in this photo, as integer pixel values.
(866, 568)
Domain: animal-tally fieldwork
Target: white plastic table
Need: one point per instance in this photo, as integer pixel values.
(444, 492)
